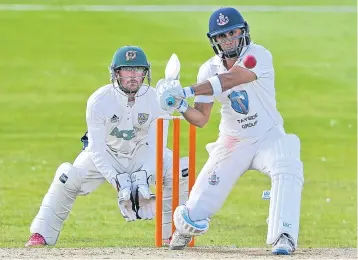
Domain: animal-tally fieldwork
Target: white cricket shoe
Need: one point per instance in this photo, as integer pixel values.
(284, 245)
(179, 241)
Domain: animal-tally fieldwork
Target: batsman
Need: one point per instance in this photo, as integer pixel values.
(119, 147)
(251, 134)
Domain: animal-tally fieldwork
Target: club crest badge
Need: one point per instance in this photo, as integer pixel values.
(142, 118)
(222, 20)
(131, 55)
(213, 179)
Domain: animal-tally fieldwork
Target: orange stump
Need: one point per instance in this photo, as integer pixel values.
(176, 169)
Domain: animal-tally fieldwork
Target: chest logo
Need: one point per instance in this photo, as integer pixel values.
(240, 101)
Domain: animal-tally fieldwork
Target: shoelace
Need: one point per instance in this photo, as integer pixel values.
(288, 239)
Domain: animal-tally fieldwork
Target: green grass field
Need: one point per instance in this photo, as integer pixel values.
(52, 61)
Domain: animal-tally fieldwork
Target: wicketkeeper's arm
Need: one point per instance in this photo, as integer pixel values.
(152, 133)
(97, 147)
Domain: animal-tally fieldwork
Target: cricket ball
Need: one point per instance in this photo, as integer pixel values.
(250, 61)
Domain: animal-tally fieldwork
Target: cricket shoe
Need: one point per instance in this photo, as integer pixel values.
(179, 241)
(36, 240)
(166, 242)
(284, 245)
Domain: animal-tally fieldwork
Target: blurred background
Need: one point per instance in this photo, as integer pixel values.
(55, 54)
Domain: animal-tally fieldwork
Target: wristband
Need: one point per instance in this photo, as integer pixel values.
(216, 85)
(183, 107)
(188, 92)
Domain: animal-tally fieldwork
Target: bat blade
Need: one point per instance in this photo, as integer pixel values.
(172, 69)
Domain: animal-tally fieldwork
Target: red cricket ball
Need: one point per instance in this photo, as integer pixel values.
(250, 61)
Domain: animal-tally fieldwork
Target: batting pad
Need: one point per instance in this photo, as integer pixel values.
(287, 182)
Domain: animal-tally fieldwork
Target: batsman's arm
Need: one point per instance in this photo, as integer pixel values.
(237, 75)
(217, 84)
(199, 114)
